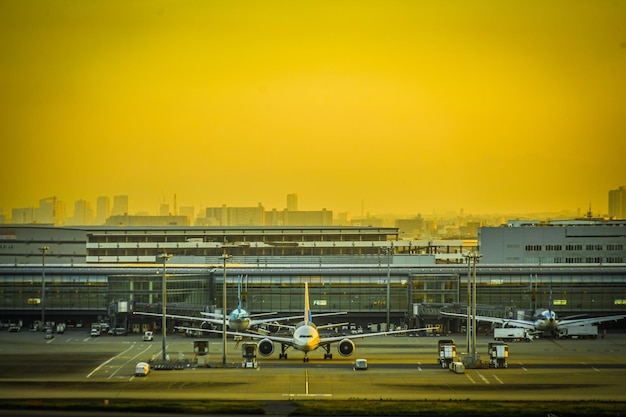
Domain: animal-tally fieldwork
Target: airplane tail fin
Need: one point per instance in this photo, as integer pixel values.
(550, 306)
(239, 294)
(307, 308)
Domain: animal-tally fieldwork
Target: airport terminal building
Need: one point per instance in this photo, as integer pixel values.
(94, 273)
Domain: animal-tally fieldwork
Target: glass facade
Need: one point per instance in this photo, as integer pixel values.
(360, 290)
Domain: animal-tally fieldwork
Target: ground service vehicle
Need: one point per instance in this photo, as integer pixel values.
(148, 336)
(579, 332)
(142, 369)
(513, 334)
(96, 329)
(360, 365)
(447, 352)
(248, 352)
(498, 354)
(457, 367)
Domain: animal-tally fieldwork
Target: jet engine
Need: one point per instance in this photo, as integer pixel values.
(266, 347)
(346, 347)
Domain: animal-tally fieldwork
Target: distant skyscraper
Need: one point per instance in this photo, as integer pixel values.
(103, 209)
(120, 205)
(83, 214)
(23, 215)
(45, 213)
(164, 210)
(617, 203)
(188, 211)
(292, 202)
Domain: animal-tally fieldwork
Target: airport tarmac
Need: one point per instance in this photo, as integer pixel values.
(75, 365)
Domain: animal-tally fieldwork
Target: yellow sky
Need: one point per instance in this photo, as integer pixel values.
(394, 106)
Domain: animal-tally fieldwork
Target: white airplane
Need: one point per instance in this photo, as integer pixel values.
(544, 320)
(306, 337)
(239, 320)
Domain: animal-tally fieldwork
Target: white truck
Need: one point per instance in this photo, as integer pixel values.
(447, 352)
(512, 334)
(498, 354)
(587, 331)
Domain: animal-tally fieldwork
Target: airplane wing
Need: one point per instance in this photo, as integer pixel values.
(279, 339)
(589, 320)
(174, 316)
(212, 315)
(504, 322)
(264, 314)
(275, 320)
(331, 326)
(332, 339)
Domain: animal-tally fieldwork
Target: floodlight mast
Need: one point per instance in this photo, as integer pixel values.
(44, 250)
(165, 257)
(224, 257)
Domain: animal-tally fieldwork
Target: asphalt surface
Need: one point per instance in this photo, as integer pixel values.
(75, 365)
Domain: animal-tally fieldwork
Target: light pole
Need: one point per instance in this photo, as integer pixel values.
(44, 250)
(472, 260)
(165, 257)
(389, 251)
(225, 257)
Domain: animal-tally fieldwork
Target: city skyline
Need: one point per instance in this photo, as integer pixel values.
(365, 107)
(104, 207)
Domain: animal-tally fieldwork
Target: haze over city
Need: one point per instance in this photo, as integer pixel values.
(358, 106)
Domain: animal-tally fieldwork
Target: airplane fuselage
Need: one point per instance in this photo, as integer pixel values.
(546, 321)
(306, 338)
(239, 320)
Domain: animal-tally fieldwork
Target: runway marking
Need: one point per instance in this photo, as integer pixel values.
(125, 363)
(485, 380)
(522, 365)
(107, 361)
(498, 379)
(470, 378)
(419, 366)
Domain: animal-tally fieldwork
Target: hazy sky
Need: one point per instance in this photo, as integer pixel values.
(394, 106)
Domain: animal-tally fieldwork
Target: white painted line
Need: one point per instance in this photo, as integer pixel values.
(470, 378)
(483, 378)
(107, 361)
(498, 379)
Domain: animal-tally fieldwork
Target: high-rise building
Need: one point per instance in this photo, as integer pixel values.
(292, 202)
(45, 213)
(617, 203)
(23, 215)
(120, 205)
(83, 214)
(103, 209)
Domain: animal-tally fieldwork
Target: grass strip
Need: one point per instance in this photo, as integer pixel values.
(353, 407)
